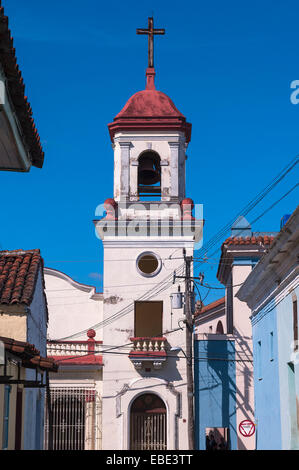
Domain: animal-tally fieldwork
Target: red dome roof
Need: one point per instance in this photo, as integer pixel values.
(149, 103)
(150, 109)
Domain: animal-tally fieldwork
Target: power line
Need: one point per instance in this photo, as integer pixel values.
(168, 280)
(275, 203)
(261, 215)
(248, 208)
(124, 345)
(214, 287)
(153, 356)
(109, 260)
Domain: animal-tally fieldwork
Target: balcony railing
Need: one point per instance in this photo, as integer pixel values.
(76, 348)
(148, 349)
(76, 352)
(148, 344)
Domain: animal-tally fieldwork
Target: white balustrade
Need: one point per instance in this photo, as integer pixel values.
(69, 349)
(148, 344)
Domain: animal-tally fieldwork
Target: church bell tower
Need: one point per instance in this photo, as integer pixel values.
(147, 226)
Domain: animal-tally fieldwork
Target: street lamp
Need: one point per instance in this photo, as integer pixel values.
(177, 349)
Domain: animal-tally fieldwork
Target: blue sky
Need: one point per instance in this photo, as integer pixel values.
(226, 65)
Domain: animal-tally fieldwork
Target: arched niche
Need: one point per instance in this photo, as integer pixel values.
(148, 423)
(149, 174)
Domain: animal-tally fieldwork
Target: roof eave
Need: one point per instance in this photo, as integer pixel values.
(16, 90)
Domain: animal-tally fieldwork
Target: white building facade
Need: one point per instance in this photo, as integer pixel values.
(75, 342)
(147, 226)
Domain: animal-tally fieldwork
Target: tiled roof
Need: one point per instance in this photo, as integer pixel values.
(29, 354)
(257, 244)
(16, 89)
(210, 306)
(253, 240)
(18, 275)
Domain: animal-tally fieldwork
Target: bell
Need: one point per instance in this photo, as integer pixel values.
(147, 172)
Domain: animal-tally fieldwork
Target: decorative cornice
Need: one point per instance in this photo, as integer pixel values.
(163, 136)
(276, 296)
(124, 144)
(274, 267)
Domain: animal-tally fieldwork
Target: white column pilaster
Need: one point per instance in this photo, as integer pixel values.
(165, 180)
(174, 169)
(125, 170)
(134, 180)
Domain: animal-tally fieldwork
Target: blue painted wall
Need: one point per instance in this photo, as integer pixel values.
(289, 379)
(215, 389)
(266, 381)
(276, 376)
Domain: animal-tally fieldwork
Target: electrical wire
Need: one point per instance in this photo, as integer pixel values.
(109, 260)
(153, 356)
(224, 287)
(248, 208)
(118, 347)
(166, 283)
(261, 215)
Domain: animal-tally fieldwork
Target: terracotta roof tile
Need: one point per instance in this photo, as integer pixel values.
(29, 354)
(18, 275)
(254, 240)
(210, 306)
(16, 89)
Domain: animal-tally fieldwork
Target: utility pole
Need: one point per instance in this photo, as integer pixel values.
(189, 349)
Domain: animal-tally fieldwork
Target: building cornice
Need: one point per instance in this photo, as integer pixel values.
(231, 254)
(275, 297)
(278, 265)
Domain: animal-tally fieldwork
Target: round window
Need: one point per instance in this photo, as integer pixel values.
(148, 264)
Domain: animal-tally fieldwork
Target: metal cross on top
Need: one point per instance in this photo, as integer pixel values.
(150, 32)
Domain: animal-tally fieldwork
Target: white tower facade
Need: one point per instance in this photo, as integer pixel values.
(148, 225)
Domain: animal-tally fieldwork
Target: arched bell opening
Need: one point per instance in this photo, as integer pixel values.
(149, 175)
(148, 423)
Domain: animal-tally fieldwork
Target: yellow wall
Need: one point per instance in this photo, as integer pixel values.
(13, 322)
